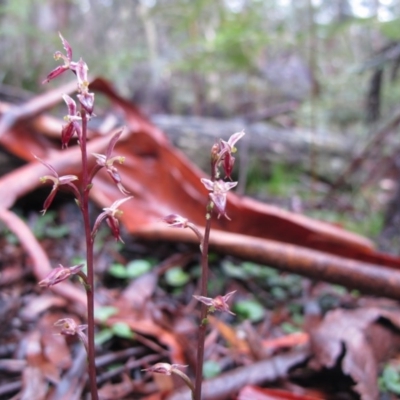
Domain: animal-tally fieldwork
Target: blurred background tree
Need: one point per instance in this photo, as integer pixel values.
(214, 57)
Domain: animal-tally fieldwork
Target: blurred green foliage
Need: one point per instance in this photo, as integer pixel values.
(215, 51)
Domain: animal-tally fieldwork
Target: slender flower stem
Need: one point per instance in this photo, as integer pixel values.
(89, 260)
(203, 292)
(203, 310)
(186, 379)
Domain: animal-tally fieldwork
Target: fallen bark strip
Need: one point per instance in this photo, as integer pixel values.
(228, 384)
(369, 278)
(13, 114)
(40, 261)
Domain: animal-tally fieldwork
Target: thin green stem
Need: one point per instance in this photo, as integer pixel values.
(89, 261)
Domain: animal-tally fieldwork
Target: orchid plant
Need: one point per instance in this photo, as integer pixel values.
(76, 126)
(222, 157)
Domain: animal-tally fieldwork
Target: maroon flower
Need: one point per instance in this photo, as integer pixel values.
(72, 119)
(218, 193)
(110, 215)
(226, 150)
(107, 162)
(85, 98)
(218, 303)
(68, 63)
(164, 368)
(70, 328)
(176, 221)
(60, 274)
(57, 182)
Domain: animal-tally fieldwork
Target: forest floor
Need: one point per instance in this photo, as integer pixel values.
(291, 337)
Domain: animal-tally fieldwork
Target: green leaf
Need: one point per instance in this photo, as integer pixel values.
(288, 328)
(390, 379)
(176, 277)
(103, 336)
(249, 309)
(279, 293)
(257, 270)
(137, 267)
(123, 330)
(118, 271)
(234, 271)
(57, 232)
(211, 369)
(103, 313)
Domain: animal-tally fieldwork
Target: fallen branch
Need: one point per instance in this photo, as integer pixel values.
(372, 279)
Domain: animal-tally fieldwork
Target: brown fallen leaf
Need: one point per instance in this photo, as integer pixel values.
(287, 341)
(360, 339)
(117, 391)
(36, 357)
(34, 385)
(229, 334)
(73, 382)
(256, 393)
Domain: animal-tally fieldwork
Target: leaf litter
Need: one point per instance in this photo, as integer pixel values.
(286, 332)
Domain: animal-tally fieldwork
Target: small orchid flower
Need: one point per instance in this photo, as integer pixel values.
(218, 303)
(108, 162)
(218, 193)
(110, 215)
(169, 369)
(230, 144)
(57, 182)
(226, 150)
(60, 274)
(164, 368)
(72, 119)
(70, 328)
(176, 221)
(68, 63)
(85, 98)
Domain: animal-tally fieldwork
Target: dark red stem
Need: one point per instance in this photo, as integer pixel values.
(203, 292)
(203, 310)
(89, 260)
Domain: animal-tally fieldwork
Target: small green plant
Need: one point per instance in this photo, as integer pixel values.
(281, 180)
(281, 286)
(389, 381)
(47, 227)
(132, 270)
(370, 224)
(249, 309)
